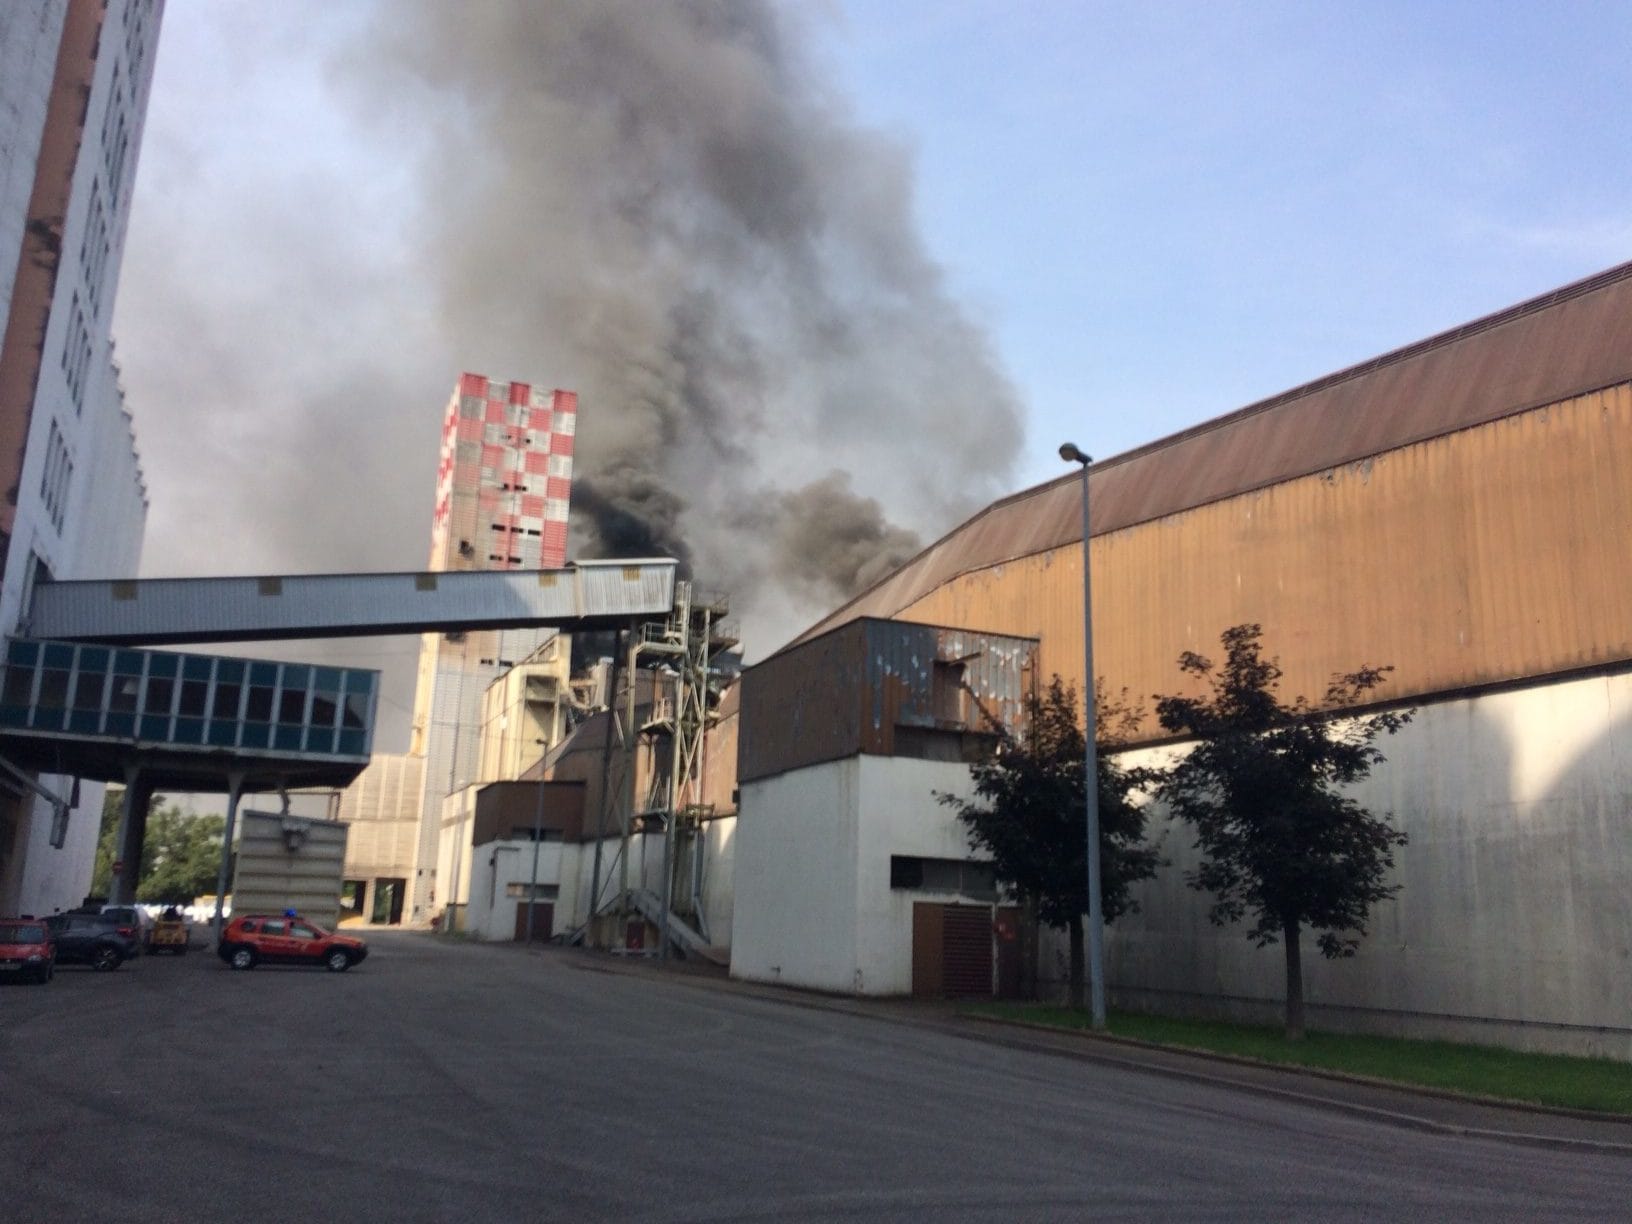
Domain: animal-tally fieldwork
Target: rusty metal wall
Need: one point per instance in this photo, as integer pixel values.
(1568, 343)
(1494, 554)
(848, 691)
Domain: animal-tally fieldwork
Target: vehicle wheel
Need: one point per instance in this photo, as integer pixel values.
(242, 958)
(337, 961)
(106, 960)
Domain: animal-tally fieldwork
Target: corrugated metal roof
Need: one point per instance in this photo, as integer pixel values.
(1571, 341)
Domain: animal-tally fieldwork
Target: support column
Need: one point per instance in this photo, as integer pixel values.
(127, 845)
(235, 789)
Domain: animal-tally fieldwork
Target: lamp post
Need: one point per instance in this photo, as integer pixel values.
(1096, 914)
(538, 836)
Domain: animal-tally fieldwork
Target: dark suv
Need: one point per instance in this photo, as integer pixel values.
(96, 940)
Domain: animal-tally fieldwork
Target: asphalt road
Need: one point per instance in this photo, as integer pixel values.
(459, 1082)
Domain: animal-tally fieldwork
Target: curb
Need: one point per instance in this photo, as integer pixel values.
(1322, 1073)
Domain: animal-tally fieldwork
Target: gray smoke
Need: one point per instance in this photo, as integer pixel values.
(663, 206)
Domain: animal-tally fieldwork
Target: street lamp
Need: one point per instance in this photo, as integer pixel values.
(1096, 914)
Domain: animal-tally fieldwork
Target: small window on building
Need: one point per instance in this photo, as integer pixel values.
(937, 875)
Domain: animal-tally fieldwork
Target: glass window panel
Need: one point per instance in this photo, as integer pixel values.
(160, 693)
(58, 655)
(296, 676)
(123, 695)
(359, 681)
(351, 743)
(196, 667)
(223, 734)
(229, 671)
(53, 689)
(329, 679)
(227, 697)
(121, 725)
(19, 688)
(189, 730)
(320, 739)
(23, 653)
(155, 727)
(127, 663)
(162, 664)
(193, 694)
(324, 708)
(94, 658)
(288, 739)
(260, 704)
(356, 710)
(263, 673)
(256, 735)
(88, 690)
(292, 706)
(84, 721)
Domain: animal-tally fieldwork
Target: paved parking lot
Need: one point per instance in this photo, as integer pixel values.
(444, 1081)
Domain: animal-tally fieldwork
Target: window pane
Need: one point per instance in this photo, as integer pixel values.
(160, 693)
(226, 701)
(260, 704)
(193, 693)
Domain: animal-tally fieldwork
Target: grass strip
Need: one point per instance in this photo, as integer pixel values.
(1597, 1084)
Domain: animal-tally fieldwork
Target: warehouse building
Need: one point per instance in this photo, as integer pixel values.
(1458, 509)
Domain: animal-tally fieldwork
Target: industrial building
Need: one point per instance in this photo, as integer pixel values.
(74, 81)
(1458, 510)
(503, 490)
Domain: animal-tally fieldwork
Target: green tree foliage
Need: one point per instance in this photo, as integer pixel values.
(181, 854)
(1282, 843)
(1028, 816)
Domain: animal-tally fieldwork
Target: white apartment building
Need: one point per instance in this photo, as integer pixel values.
(74, 83)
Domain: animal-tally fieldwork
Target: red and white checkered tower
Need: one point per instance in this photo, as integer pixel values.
(503, 488)
(504, 483)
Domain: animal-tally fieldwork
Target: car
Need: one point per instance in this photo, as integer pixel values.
(287, 939)
(137, 921)
(99, 940)
(27, 951)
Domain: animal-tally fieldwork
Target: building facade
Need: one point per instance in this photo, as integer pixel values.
(74, 84)
(503, 489)
(1456, 510)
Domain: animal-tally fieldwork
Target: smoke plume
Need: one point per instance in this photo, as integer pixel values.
(665, 207)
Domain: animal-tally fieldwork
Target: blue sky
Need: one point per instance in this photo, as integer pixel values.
(1159, 212)
(1168, 211)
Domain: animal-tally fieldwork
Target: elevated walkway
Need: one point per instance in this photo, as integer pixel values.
(167, 611)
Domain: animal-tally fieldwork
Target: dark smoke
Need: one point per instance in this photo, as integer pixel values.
(663, 206)
(666, 208)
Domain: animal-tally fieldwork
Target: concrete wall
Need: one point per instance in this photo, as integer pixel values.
(813, 902)
(1514, 920)
(794, 920)
(495, 866)
(899, 815)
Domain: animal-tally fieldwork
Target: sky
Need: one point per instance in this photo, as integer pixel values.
(829, 276)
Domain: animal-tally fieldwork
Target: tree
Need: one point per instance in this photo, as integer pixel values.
(181, 853)
(1028, 815)
(1281, 842)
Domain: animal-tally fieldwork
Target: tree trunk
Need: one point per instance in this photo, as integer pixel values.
(1077, 975)
(1028, 949)
(1294, 982)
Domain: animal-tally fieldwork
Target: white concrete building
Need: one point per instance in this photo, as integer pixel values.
(848, 874)
(74, 82)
